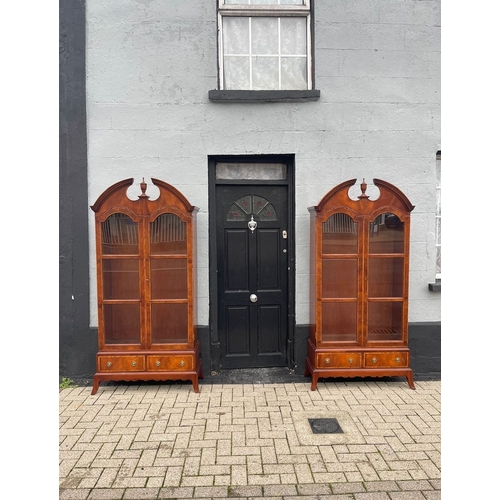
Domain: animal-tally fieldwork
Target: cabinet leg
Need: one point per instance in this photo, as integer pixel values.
(195, 384)
(314, 381)
(409, 379)
(95, 386)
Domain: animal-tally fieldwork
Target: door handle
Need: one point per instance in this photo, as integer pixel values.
(253, 298)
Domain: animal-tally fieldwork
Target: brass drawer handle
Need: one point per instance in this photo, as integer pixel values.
(182, 363)
(350, 360)
(157, 363)
(109, 364)
(327, 361)
(374, 360)
(134, 363)
(398, 359)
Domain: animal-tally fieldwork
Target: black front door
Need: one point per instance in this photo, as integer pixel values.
(252, 284)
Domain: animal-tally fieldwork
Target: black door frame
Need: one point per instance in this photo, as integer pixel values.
(289, 160)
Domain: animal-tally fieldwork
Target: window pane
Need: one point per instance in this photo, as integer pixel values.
(264, 35)
(293, 36)
(236, 35)
(235, 213)
(294, 73)
(264, 2)
(269, 213)
(263, 171)
(236, 73)
(265, 73)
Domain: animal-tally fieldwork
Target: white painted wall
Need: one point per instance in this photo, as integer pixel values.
(151, 63)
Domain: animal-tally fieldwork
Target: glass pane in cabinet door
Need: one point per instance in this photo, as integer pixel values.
(119, 235)
(169, 323)
(385, 321)
(340, 278)
(120, 279)
(168, 279)
(168, 235)
(339, 322)
(340, 235)
(385, 276)
(387, 234)
(122, 324)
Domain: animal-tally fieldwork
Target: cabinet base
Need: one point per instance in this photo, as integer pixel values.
(317, 373)
(162, 376)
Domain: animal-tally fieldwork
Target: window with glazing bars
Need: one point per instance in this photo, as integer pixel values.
(265, 45)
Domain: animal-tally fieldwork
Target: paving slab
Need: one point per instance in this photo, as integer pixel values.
(266, 439)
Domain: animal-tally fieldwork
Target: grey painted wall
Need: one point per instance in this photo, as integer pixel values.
(134, 83)
(151, 64)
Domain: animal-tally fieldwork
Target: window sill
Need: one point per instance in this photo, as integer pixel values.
(435, 287)
(245, 96)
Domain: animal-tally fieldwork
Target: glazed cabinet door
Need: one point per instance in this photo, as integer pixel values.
(340, 271)
(120, 283)
(386, 268)
(168, 280)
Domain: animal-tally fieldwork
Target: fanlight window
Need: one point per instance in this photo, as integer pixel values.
(254, 205)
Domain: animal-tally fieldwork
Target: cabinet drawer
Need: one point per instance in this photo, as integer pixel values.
(386, 359)
(174, 362)
(339, 360)
(121, 363)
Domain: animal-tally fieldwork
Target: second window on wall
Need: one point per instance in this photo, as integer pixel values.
(264, 45)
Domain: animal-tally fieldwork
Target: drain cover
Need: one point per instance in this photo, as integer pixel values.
(325, 426)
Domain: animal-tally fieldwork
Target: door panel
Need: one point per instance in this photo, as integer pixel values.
(269, 317)
(268, 254)
(236, 259)
(238, 322)
(252, 263)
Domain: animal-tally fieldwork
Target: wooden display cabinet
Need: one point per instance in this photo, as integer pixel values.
(145, 286)
(359, 285)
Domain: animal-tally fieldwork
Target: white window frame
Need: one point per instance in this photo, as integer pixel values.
(226, 10)
(438, 216)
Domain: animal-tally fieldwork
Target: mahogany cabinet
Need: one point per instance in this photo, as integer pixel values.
(359, 284)
(145, 286)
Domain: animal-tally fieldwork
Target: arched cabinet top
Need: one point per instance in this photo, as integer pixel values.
(116, 197)
(389, 197)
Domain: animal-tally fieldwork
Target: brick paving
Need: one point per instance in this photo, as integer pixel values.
(251, 441)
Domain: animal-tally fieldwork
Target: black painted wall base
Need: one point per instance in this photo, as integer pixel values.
(424, 341)
(78, 358)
